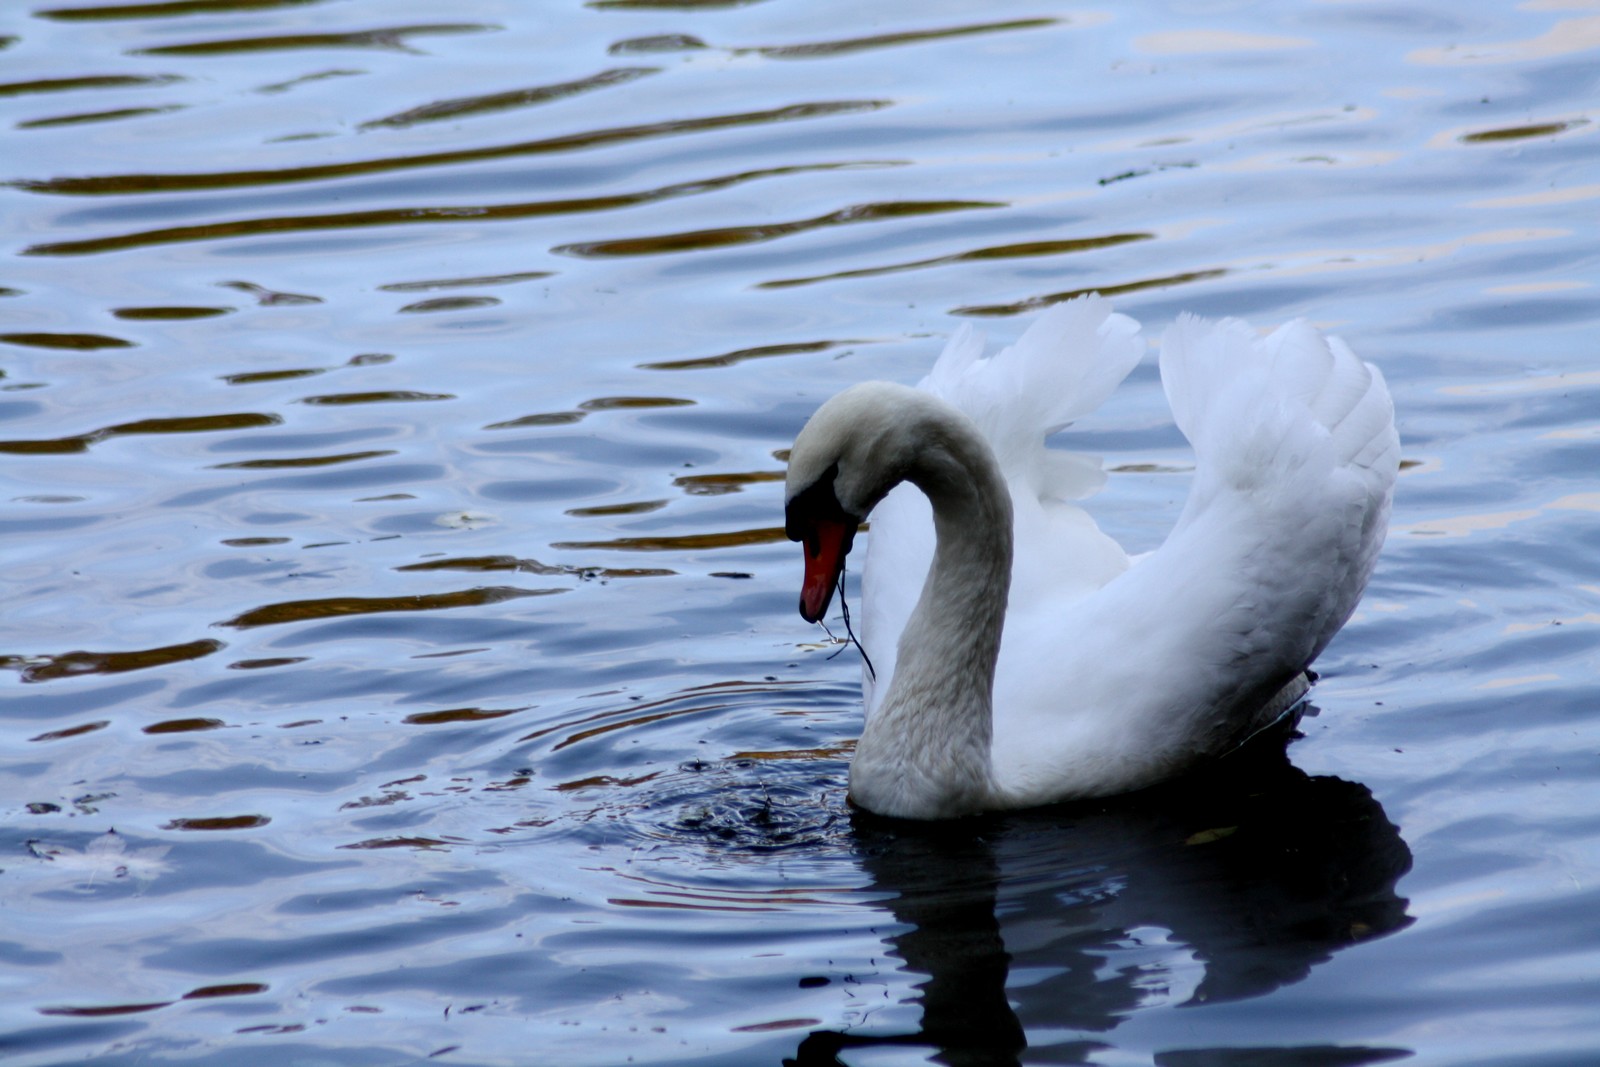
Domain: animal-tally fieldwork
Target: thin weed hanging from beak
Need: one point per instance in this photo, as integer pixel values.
(844, 608)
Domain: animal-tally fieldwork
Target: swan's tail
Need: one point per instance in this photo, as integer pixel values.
(1062, 367)
(1291, 432)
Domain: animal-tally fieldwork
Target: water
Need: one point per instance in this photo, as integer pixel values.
(401, 658)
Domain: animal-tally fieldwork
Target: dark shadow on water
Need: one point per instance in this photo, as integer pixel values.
(1225, 886)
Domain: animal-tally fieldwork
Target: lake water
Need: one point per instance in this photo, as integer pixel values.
(400, 645)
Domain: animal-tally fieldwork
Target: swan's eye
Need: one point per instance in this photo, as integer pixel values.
(815, 504)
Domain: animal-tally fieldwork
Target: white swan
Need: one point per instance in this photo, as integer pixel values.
(1111, 674)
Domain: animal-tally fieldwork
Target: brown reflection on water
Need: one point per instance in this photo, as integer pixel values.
(720, 484)
(726, 236)
(101, 1011)
(1518, 133)
(121, 184)
(271, 297)
(306, 79)
(660, 42)
(302, 461)
(338, 607)
(381, 396)
(73, 664)
(605, 780)
(423, 215)
(548, 418)
(454, 715)
(468, 106)
(168, 314)
(531, 566)
(613, 403)
(632, 507)
(184, 726)
(84, 117)
(393, 37)
(72, 731)
(366, 359)
(230, 989)
(450, 303)
(97, 81)
(164, 9)
(179, 424)
(1012, 251)
(70, 342)
(842, 750)
(845, 46)
(269, 662)
(682, 42)
(255, 377)
(463, 283)
(685, 542)
(426, 844)
(1034, 303)
(219, 822)
(741, 355)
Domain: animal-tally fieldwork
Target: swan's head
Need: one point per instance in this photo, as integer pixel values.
(851, 452)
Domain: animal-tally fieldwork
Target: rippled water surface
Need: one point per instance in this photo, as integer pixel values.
(399, 638)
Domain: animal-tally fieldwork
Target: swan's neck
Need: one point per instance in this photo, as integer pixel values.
(925, 752)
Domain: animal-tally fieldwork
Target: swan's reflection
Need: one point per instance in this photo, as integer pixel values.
(1224, 886)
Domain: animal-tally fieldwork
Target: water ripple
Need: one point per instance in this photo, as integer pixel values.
(380, 794)
(467, 106)
(122, 184)
(407, 216)
(394, 37)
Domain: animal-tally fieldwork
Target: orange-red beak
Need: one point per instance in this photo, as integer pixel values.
(826, 545)
(815, 518)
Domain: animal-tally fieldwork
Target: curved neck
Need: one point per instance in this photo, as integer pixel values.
(925, 753)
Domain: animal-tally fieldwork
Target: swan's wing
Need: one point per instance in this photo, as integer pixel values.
(1297, 456)
(1065, 365)
(1062, 367)
(1294, 434)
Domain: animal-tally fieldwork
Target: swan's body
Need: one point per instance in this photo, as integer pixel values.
(1097, 674)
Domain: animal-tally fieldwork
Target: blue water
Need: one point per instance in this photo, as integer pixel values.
(400, 653)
